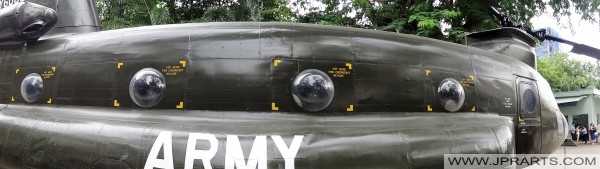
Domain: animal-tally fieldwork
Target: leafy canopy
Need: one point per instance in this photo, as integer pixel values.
(566, 74)
(441, 19)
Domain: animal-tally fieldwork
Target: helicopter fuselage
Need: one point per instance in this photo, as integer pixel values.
(229, 100)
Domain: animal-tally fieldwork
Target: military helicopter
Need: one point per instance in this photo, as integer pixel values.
(260, 95)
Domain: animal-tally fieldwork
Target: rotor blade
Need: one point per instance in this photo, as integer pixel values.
(578, 47)
(586, 50)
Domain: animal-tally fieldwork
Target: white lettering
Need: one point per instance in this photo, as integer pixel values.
(163, 140)
(235, 157)
(6, 3)
(289, 154)
(206, 155)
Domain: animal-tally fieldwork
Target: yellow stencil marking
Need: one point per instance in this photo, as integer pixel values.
(173, 70)
(116, 103)
(53, 69)
(472, 78)
(17, 71)
(427, 72)
(48, 74)
(274, 107)
(182, 63)
(12, 99)
(180, 106)
(349, 65)
(340, 72)
(520, 119)
(119, 65)
(276, 62)
(429, 108)
(49, 101)
(474, 109)
(351, 108)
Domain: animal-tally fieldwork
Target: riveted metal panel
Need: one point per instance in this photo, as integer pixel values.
(387, 49)
(282, 78)
(389, 88)
(87, 84)
(229, 84)
(8, 68)
(226, 42)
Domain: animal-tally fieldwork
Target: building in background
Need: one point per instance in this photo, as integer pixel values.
(548, 47)
(581, 107)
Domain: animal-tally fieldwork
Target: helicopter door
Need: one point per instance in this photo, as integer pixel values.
(529, 130)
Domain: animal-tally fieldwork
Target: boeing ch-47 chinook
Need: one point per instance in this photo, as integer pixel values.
(260, 95)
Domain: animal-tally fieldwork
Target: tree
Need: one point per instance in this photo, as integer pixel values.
(429, 17)
(566, 74)
(116, 14)
(448, 20)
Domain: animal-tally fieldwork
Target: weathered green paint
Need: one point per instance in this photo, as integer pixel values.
(229, 83)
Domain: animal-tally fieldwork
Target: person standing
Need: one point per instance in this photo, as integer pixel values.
(573, 132)
(584, 134)
(592, 133)
(578, 134)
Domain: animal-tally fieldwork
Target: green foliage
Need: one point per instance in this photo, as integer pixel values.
(116, 14)
(448, 20)
(159, 15)
(566, 74)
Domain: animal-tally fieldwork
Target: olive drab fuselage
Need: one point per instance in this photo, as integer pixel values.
(238, 95)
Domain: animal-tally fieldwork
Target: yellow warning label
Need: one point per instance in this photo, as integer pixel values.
(470, 81)
(179, 106)
(276, 62)
(48, 74)
(339, 72)
(172, 70)
(351, 108)
(274, 107)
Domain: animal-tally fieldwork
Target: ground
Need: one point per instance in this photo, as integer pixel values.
(588, 149)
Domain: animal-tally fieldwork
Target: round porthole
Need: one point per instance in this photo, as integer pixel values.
(451, 94)
(31, 87)
(529, 99)
(147, 87)
(312, 90)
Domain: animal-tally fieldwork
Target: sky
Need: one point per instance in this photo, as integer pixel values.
(583, 32)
